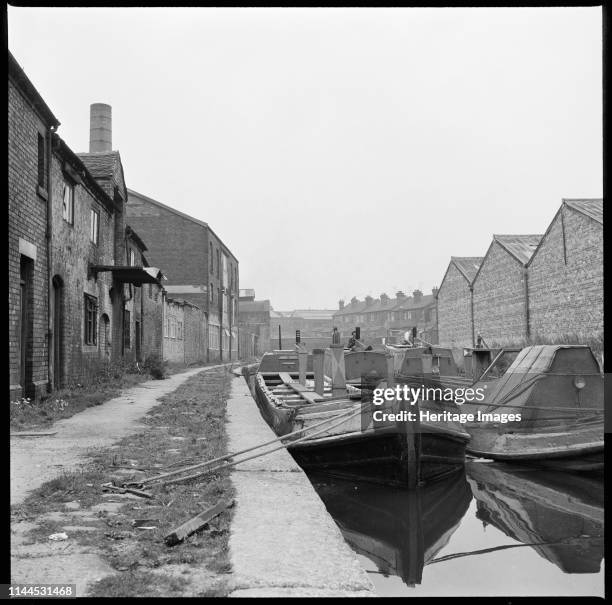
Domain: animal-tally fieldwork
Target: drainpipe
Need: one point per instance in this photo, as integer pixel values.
(526, 287)
(472, 314)
(51, 335)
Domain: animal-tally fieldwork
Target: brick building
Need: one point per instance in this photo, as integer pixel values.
(500, 290)
(75, 271)
(565, 275)
(30, 127)
(389, 318)
(199, 267)
(455, 302)
(315, 326)
(184, 339)
(254, 324)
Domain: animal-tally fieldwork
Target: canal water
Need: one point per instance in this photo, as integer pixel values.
(493, 529)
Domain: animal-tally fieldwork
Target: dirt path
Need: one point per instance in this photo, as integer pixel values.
(35, 460)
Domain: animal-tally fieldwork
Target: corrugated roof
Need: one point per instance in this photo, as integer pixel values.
(592, 207)
(468, 265)
(521, 247)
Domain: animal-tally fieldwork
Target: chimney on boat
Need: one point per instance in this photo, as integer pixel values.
(417, 295)
(100, 127)
(340, 305)
(368, 300)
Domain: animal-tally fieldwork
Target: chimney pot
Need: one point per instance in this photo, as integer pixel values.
(100, 127)
(340, 304)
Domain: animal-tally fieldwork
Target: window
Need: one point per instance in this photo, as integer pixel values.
(126, 329)
(180, 330)
(212, 293)
(41, 160)
(150, 290)
(94, 226)
(132, 257)
(91, 330)
(166, 327)
(212, 258)
(68, 203)
(218, 262)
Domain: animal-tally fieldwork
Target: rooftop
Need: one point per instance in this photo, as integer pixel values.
(467, 265)
(592, 207)
(521, 247)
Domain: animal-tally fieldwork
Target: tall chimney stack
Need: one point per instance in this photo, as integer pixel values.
(100, 127)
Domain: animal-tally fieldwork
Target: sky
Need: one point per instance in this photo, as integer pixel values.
(337, 152)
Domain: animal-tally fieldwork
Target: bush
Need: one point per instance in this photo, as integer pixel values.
(157, 367)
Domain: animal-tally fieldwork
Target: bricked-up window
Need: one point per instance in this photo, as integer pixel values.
(94, 226)
(126, 329)
(91, 328)
(41, 160)
(68, 203)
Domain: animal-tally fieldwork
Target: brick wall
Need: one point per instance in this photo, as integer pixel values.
(454, 310)
(566, 292)
(174, 345)
(499, 298)
(190, 255)
(72, 253)
(27, 222)
(152, 321)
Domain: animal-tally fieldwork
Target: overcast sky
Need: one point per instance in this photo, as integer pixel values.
(337, 152)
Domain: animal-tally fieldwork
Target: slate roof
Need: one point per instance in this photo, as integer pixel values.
(592, 207)
(408, 303)
(467, 265)
(19, 76)
(106, 166)
(521, 247)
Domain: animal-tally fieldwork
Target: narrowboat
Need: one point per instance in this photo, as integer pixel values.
(356, 444)
(556, 396)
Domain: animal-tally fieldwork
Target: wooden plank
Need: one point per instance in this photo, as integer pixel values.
(198, 522)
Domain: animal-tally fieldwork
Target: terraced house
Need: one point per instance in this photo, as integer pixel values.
(389, 318)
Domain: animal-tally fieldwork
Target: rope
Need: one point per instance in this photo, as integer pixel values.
(232, 455)
(258, 455)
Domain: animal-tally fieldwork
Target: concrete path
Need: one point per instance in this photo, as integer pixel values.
(35, 460)
(283, 542)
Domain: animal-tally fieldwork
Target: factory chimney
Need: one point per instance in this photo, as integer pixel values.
(100, 127)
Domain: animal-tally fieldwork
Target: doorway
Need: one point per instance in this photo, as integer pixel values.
(58, 331)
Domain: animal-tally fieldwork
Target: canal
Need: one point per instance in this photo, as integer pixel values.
(492, 529)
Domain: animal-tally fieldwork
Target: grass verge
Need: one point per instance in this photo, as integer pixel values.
(188, 426)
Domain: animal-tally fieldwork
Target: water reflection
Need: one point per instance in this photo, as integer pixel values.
(398, 530)
(476, 524)
(560, 515)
